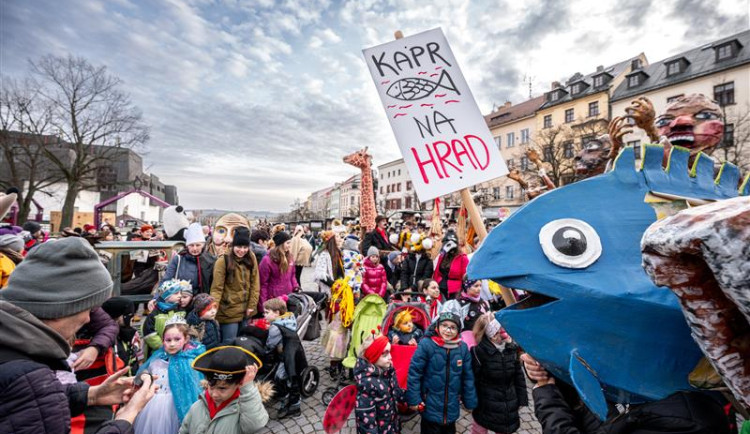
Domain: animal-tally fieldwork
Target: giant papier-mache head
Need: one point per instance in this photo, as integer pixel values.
(693, 122)
(225, 227)
(594, 318)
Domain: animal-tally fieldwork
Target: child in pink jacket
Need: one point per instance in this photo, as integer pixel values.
(374, 279)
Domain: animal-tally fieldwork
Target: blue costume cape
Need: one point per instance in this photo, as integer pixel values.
(184, 381)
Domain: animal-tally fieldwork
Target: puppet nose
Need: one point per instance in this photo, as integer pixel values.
(684, 120)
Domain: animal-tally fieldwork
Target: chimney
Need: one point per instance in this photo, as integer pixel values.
(555, 85)
(600, 68)
(507, 104)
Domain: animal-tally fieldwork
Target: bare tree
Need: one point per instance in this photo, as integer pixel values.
(735, 145)
(93, 117)
(25, 130)
(559, 145)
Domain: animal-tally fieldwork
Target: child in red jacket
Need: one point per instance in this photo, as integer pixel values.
(374, 279)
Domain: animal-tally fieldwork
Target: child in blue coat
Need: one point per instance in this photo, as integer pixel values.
(440, 377)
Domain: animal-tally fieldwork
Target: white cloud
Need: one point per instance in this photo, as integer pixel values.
(252, 104)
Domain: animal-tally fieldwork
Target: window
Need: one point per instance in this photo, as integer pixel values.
(636, 144)
(726, 51)
(674, 68)
(389, 189)
(381, 176)
(568, 149)
(599, 81)
(498, 142)
(524, 163)
(509, 189)
(586, 139)
(511, 140)
(724, 94)
(389, 174)
(636, 64)
(576, 88)
(548, 154)
(407, 201)
(525, 136)
(594, 108)
(398, 187)
(672, 99)
(399, 172)
(408, 185)
(381, 190)
(728, 136)
(569, 115)
(496, 193)
(634, 80)
(554, 96)
(510, 163)
(547, 121)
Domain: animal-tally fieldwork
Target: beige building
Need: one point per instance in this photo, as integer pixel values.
(512, 126)
(719, 70)
(575, 113)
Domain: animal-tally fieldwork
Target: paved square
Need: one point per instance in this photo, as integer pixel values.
(313, 409)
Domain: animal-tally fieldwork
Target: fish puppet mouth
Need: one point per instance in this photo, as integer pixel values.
(703, 255)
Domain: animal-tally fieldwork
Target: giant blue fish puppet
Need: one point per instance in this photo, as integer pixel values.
(594, 318)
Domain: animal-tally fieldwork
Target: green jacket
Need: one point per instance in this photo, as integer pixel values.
(244, 415)
(240, 294)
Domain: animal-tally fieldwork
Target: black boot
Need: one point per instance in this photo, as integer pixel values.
(294, 404)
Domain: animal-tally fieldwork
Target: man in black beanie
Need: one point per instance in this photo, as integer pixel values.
(48, 298)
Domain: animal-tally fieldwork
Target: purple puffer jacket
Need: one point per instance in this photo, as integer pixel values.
(274, 283)
(32, 399)
(102, 329)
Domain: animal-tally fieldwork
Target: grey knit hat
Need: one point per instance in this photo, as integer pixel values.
(12, 242)
(373, 251)
(59, 279)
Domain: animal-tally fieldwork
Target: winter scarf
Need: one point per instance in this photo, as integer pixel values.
(448, 345)
(184, 381)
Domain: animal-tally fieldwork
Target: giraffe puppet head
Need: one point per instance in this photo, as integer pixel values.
(359, 159)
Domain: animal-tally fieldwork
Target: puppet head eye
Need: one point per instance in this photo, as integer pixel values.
(570, 243)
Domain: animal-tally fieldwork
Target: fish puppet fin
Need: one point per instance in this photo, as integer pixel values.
(587, 386)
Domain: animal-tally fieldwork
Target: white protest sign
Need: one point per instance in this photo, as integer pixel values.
(442, 135)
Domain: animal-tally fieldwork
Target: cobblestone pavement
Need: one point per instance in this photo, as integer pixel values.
(313, 409)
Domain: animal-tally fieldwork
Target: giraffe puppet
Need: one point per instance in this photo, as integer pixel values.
(363, 161)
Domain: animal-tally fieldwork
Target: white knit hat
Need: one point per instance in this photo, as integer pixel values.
(194, 234)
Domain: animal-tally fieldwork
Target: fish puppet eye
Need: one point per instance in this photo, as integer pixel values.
(570, 243)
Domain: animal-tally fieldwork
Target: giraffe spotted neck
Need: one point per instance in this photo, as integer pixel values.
(362, 160)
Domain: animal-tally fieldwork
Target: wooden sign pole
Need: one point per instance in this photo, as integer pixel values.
(474, 216)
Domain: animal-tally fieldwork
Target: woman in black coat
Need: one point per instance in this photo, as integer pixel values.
(499, 379)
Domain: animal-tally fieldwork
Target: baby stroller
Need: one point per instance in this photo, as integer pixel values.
(368, 315)
(402, 354)
(307, 308)
(253, 339)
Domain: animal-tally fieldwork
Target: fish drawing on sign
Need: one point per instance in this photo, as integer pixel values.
(411, 89)
(594, 318)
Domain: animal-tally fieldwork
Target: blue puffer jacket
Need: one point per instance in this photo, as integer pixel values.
(441, 378)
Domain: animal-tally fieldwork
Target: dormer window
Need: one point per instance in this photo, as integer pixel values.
(637, 78)
(676, 66)
(578, 87)
(601, 79)
(727, 50)
(554, 96)
(636, 64)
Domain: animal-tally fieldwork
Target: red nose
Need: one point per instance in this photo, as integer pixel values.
(684, 120)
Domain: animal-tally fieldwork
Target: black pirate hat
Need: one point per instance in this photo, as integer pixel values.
(224, 363)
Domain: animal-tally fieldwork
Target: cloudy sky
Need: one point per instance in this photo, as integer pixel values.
(254, 103)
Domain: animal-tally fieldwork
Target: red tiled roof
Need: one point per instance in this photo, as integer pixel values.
(505, 115)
